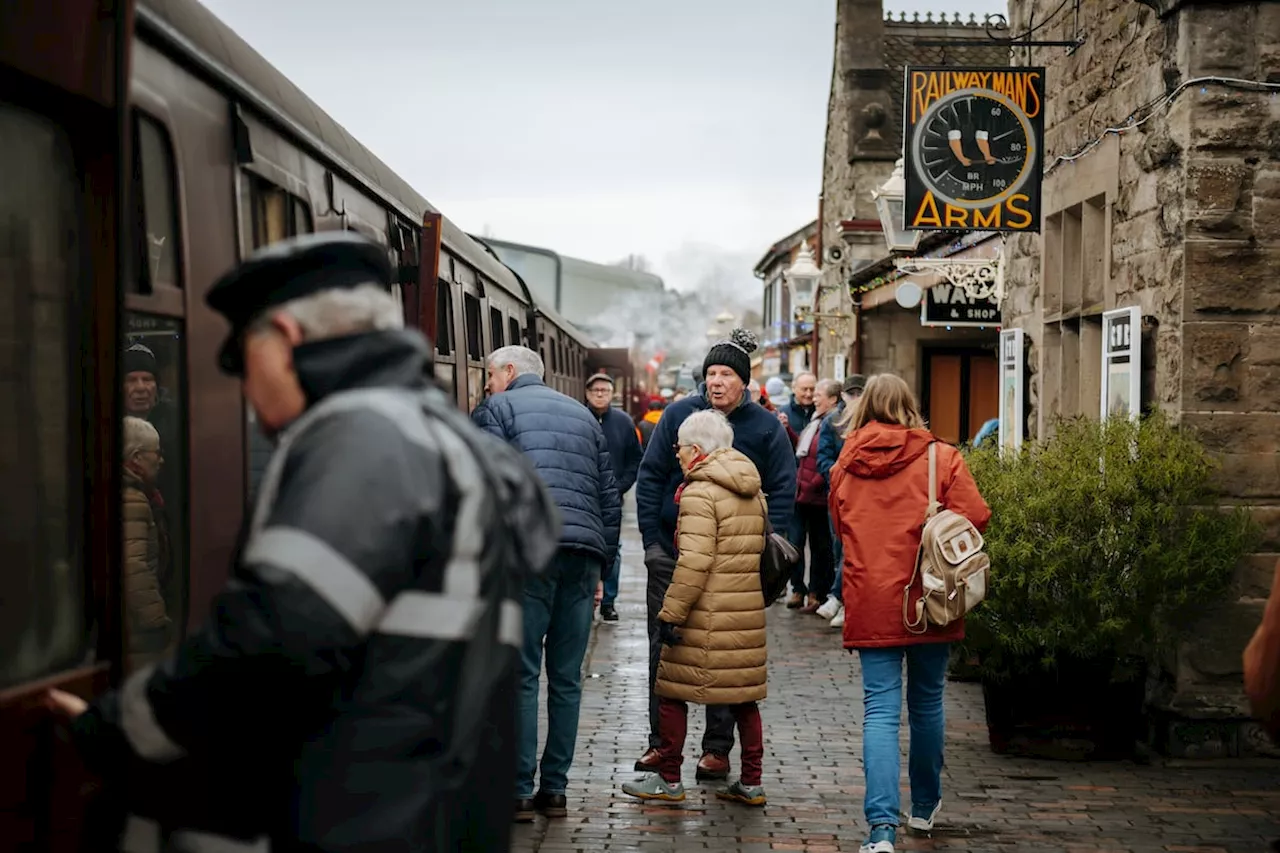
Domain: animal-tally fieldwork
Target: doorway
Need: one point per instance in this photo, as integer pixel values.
(960, 391)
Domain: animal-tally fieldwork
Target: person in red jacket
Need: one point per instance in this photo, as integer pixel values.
(811, 521)
(879, 497)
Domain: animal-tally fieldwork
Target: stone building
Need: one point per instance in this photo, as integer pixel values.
(1179, 215)
(785, 347)
(864, 138)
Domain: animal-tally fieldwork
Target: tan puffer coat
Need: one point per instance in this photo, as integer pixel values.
(715, 594)
(144, 601)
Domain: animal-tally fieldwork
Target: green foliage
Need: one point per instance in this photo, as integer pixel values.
(1104, 540)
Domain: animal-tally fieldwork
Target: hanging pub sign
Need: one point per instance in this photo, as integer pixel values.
(973, 148)
(948, 305)
(1121, 363)
(1011, 385)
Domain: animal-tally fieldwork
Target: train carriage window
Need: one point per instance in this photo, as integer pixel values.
(513, 331)
(445, 338)
(43, 585)
(155, 190)
(475, 351)
(495, 328)
(154, 483)
(272, 215)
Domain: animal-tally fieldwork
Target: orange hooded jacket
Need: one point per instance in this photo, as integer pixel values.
(879, 496)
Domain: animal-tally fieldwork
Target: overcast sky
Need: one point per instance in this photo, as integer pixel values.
(688, 131)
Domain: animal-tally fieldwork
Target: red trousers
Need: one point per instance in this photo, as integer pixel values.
(673, 723)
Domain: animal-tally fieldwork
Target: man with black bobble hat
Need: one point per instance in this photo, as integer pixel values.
(355, 686)
(756, 433)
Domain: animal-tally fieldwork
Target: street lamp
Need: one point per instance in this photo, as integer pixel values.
(979, 278)
(802, 277)
(890, 200)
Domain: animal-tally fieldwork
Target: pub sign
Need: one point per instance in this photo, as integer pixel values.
(973, 153)
(948, 305)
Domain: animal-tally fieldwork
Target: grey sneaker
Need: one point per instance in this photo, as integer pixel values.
(652, 786)
(752, 795)
(923, 824)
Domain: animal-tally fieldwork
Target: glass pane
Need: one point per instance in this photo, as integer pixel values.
(159, 203)
(444, 319)
(475, 386)
(475, 345)
(513, 331)
(495, 327)
(42, 585)
(444, 376)
(153, 476)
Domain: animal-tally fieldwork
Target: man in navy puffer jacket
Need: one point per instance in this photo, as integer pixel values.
(564, 442)
(758, 434)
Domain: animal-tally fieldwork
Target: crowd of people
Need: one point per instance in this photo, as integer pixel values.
(408, 573)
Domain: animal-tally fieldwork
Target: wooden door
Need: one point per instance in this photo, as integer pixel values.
(63, 77)
(984, 391)
(944, 412)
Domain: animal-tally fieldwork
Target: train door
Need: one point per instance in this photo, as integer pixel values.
(64, 71)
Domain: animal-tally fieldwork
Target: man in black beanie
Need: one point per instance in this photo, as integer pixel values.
(756, 433)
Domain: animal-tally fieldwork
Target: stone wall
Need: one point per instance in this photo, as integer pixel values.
(1193, 237)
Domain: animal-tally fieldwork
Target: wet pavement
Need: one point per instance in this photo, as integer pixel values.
(813, 769)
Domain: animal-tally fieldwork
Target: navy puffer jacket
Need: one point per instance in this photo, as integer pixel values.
(564, 442)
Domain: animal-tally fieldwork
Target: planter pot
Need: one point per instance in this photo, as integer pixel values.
(1073, 712)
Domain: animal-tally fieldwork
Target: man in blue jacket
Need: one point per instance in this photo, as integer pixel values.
(569, 452)
(756, 433)
(830, 443)
(624, 450)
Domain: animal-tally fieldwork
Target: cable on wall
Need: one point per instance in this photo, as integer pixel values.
(1149, 110)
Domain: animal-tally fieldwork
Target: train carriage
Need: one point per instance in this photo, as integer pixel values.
(148, 149)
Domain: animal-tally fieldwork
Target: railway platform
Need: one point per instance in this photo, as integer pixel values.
(813, 769)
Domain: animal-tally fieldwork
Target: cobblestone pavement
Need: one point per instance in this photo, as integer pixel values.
(813, 769)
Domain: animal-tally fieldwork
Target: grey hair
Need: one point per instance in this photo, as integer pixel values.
(708, 429)
(523, 359)
(339, 312)
(139, 435)
(830, 388)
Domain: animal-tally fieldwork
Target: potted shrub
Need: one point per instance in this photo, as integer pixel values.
(1103, 539)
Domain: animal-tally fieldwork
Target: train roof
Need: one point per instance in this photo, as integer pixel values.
(201, 37)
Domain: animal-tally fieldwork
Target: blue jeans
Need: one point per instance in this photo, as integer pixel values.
(611, 578)
(557, 611)
(837, 555)
(882, 706)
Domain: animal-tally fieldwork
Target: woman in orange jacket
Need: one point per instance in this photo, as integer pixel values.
(879, 497)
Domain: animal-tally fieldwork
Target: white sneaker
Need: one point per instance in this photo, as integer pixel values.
(924, 824)
(837, 621)
(877, 847)
(829, 607)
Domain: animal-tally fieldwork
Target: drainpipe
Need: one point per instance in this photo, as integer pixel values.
(857, 335)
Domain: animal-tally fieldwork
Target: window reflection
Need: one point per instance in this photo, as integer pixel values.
(153, 478)
(42, 585)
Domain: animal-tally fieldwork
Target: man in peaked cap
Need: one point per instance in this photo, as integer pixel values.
(624, 453)
(355, 689)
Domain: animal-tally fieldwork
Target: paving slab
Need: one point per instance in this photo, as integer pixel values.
(813, 769)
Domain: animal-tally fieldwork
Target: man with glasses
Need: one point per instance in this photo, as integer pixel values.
(625, 453)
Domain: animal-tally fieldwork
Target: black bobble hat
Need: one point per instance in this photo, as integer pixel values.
(288, 270)
(139, 359)
(734, 353)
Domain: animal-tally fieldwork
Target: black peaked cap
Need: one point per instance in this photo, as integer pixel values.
(288, 270)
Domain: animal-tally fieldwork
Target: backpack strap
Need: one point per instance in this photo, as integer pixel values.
(934, 503)
(920, 625)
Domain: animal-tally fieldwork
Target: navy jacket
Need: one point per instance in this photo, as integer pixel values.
(829, 443)
(756, 433)
(624, 446)
(564, 442)
(797, 416)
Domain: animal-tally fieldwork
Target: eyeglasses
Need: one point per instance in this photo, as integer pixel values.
(676, 447)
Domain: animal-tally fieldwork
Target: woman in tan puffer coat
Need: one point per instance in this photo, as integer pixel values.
(146, 545)
(712, 622)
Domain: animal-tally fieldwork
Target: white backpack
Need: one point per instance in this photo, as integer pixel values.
(950, 564)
